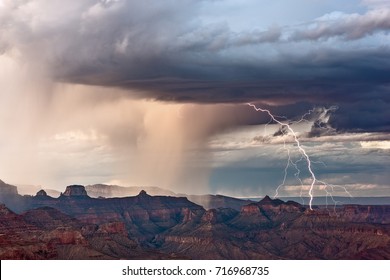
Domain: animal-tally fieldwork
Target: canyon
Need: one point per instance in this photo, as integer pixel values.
(77, 226)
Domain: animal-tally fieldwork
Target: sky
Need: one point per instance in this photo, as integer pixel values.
(141, 93)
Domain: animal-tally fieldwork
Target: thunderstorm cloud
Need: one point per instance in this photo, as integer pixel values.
(121, 77)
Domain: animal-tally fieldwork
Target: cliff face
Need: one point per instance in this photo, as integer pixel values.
(7, 190)
(143, 215)
(75, 190)
(10, 197)
(46, 233)
(78, 226)
(366, 213)
(273, 229)
(36, 234)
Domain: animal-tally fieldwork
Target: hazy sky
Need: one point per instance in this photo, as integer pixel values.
(155, 92)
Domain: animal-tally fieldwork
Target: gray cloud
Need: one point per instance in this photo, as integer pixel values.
(164, 51)
(347, 26)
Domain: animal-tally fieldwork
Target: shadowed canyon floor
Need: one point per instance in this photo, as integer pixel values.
(76, 226)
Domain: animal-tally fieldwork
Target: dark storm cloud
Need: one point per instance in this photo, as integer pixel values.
(370, 116)
(164, 51)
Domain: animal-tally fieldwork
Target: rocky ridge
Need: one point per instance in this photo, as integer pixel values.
(78, 226)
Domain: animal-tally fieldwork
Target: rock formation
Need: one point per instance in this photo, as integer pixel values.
(144, 226)
(7, 190)
(75, 190)
(41, 193)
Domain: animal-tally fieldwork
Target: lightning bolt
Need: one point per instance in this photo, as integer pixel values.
(287, 129)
